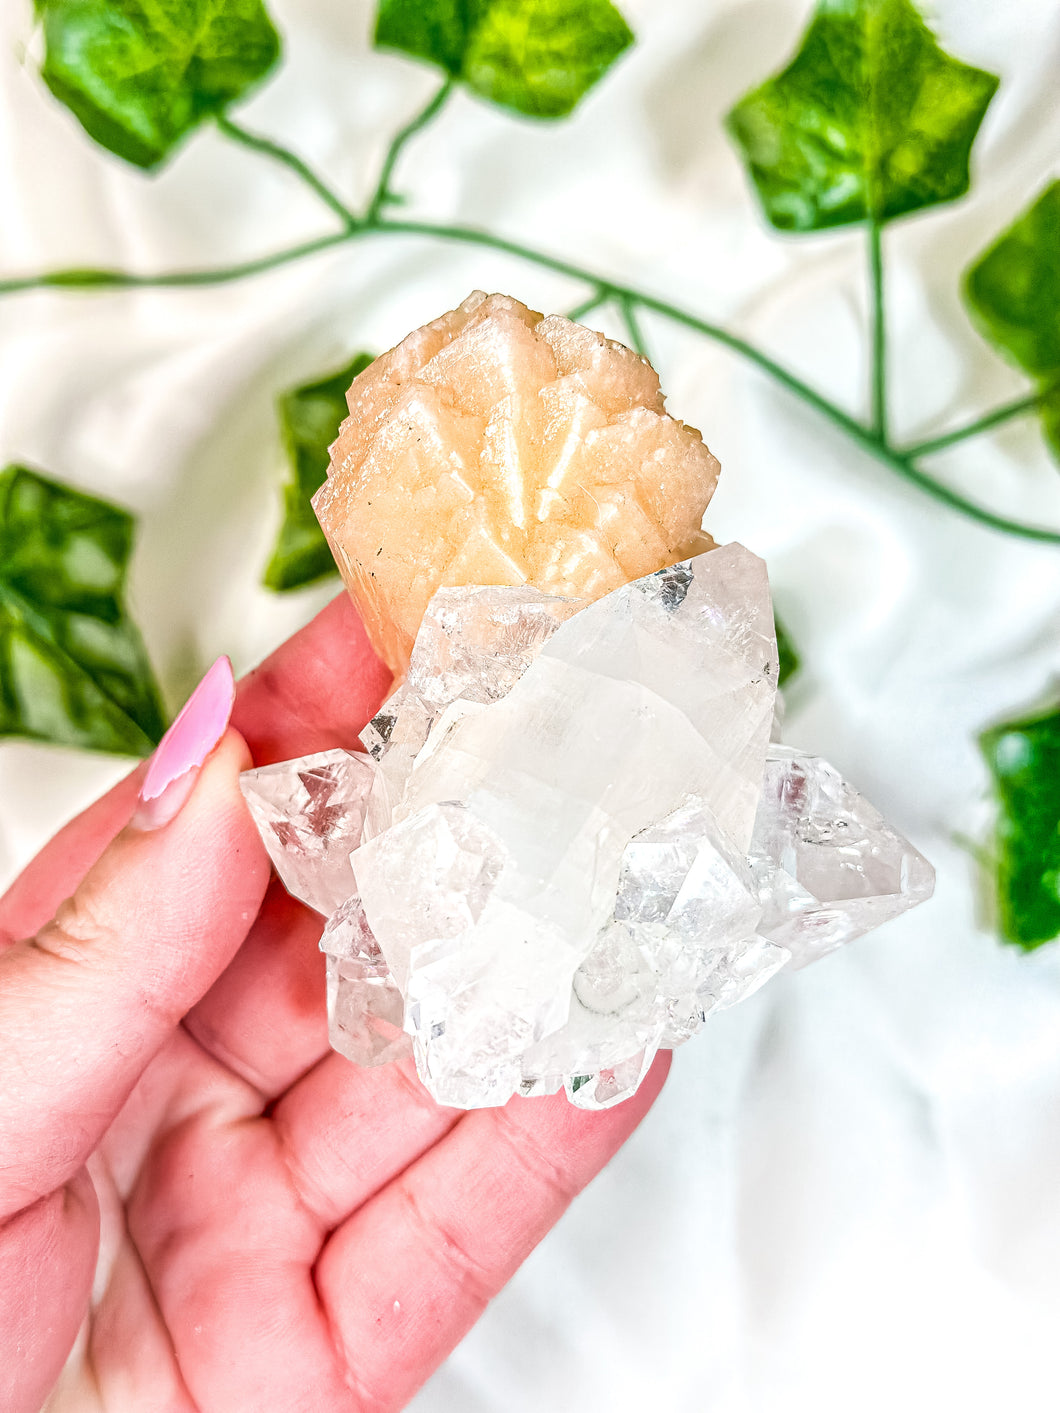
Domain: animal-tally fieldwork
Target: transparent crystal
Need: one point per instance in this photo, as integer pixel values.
(364, 1017)
(690, 900)
(476, 642)
(828, 866)
(609, 1086)
(515, 813)
(473, 646)
(309, 813)
(366, 1010)
(578, 841)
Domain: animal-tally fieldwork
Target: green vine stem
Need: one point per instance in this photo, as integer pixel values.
(586, 307)
(384, 195)
(627, 308)
(1005, 413)
(629, 301)
(292, 161)
(878, 321)
(103, 279)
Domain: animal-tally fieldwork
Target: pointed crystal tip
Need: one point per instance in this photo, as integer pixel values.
(309, 813)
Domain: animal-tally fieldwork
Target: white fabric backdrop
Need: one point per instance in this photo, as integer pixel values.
(849, 1194)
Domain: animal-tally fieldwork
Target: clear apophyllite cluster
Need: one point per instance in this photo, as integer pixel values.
(568, 838)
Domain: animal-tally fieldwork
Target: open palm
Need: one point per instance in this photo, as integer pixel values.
(234, 1217)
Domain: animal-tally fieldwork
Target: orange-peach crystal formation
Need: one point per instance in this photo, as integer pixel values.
(498, 446)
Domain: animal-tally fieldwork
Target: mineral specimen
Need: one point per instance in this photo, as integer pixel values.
(578, 840)
(365, 1008)
(309, 813)
(828, 867)
(495, 446)
(570, 839)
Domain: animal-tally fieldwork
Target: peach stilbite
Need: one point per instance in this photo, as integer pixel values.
(498, 446)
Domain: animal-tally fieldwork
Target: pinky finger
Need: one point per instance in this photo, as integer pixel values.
(409, 1273)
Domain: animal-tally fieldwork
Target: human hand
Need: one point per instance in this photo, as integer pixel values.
(275, 1227)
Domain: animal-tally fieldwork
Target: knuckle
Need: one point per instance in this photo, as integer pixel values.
(83, 944)
(543, 1169)
(309, 1190)
(362, 1398)
(442, 1241)
(76, 930)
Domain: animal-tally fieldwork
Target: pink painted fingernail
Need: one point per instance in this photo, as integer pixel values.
(175, 765)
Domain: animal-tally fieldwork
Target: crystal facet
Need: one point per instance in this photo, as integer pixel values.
(828, 866)
(473, 646)
(578, 841)
(494, 446)
(515, 815)
(365, 1009)
(309, 813)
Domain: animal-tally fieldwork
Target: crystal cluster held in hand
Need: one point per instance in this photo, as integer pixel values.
(570, 840)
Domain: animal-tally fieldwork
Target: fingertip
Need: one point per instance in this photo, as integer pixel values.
(235, 743)
(218, 814)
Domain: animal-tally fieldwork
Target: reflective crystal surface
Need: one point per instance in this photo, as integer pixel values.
(515, 815)
(473, 646)
(578, 841)
(827, 865)
(309, 813)
(689, 899)
(366, 1010)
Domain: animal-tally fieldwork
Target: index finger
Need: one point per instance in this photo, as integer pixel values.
(316, 691)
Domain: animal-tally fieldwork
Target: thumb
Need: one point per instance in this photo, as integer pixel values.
(87, 1003)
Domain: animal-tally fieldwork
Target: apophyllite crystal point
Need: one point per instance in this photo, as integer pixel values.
(498, 446)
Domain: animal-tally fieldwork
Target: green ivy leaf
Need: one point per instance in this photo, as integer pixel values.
(789, 658)
(72, 664)
(536, 57)
(309, 420)
(1024, 760)
(1013, 294)
(140, 74)
(870, 120)
(1013, 289)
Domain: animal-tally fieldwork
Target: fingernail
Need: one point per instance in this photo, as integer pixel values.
(180, 754)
